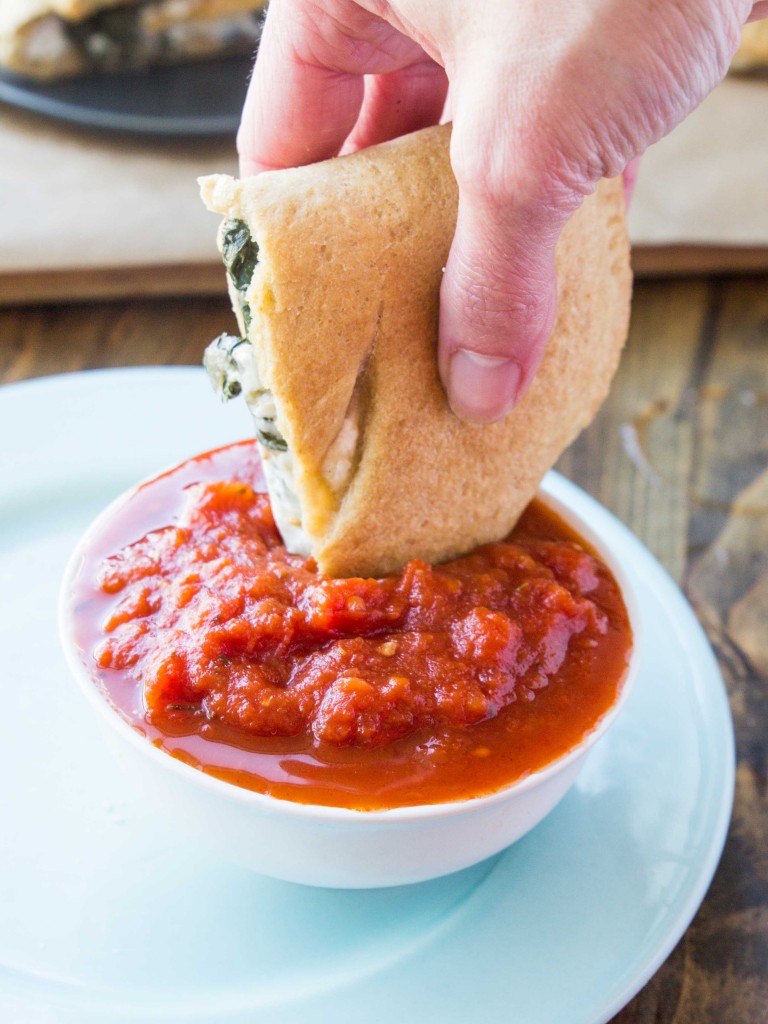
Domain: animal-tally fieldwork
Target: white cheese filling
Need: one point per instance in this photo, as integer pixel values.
(203, 36)
(340, 458)
(231, 366)
(46, 41)
(176, 9)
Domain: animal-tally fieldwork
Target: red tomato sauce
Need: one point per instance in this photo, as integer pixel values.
(438, 683)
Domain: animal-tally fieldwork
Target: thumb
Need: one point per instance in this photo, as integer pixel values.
(499, 292)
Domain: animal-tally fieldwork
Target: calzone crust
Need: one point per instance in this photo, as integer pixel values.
(340, 313)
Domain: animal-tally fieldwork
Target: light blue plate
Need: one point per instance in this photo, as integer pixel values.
(107, 916)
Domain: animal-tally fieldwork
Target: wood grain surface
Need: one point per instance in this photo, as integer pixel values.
(173, 279)
(680, 453)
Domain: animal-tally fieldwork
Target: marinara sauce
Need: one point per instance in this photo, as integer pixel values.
(438, 683)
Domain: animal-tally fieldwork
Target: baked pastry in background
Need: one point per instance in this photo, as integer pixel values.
(752, 55)
(50, 39)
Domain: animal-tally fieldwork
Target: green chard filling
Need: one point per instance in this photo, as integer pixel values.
(232, 363)
(231, 368)
(115, 38)
(241, 254)
(108, 37)
(228, 382)
(271, 437)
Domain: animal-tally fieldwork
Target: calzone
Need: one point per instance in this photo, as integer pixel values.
(334, 271)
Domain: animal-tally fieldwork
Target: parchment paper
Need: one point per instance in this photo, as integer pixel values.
(706, 183)
(75, 200)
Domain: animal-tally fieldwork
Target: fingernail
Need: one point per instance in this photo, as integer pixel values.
(482, 388)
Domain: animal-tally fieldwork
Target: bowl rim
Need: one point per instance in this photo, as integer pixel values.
(322, 813)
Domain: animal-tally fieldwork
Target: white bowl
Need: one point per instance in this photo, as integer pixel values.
(337, 847)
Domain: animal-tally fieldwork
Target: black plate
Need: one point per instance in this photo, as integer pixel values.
(203, 98)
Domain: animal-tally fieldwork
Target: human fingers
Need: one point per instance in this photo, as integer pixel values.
(629, 177)
(572, 101)
(398, 103)
(295, 111)
(307, 88)
(499, 290)
(497, 308)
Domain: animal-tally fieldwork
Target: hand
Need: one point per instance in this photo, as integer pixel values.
(545, 100)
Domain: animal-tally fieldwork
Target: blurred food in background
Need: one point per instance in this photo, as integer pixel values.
(49, 39)
(752, 55)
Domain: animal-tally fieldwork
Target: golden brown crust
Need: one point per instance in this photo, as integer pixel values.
(201, 10)
(352, 252)
(331, 237)
(17, 13)
(74, 10)
(752, 55)
(19, 21)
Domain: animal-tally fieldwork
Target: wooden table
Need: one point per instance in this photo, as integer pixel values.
(680, 453)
